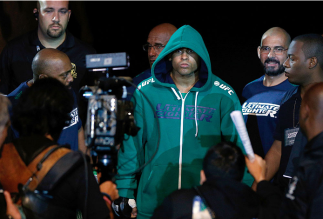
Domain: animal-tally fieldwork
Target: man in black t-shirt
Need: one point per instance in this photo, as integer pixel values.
(17, 56)
(303, 67)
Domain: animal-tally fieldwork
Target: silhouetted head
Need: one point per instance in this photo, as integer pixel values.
(43, 109)
(224, 160)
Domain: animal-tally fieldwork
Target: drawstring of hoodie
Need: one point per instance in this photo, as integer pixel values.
(196, 126)
(178, 97)
(195, 105)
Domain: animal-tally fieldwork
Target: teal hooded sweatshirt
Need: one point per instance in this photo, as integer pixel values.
(176, 129)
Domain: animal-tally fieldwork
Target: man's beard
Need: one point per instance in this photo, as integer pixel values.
(55, 34)
(270, 71)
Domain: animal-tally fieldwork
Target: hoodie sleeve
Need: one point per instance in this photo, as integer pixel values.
(131, 157)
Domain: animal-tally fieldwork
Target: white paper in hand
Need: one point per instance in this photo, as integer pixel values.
(238, 121)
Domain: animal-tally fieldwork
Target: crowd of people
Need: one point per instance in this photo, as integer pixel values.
(187, 159)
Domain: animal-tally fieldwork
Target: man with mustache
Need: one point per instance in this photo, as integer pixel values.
(16, 57)
(263, 95)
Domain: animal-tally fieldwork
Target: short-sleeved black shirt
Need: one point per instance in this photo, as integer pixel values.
(288, 118)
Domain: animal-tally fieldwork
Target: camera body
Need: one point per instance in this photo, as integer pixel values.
(109, 115)
(101, 125)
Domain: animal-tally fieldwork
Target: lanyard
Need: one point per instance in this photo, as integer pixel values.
(294, 115)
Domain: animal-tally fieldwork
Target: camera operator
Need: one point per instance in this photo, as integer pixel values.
(4, 125)
(58, 188)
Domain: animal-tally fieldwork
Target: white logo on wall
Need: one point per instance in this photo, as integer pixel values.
(260, 109)
(224, 87)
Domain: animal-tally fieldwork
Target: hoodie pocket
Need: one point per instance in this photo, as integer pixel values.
(163, 180)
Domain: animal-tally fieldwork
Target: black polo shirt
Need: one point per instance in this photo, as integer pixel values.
(286, 130)
(17, 56)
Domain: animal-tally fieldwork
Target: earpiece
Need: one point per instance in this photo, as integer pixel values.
(36, 13)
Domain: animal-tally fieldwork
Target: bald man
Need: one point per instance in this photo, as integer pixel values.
(52, 63)
(157, 39)
(55, 64)
(263, 95)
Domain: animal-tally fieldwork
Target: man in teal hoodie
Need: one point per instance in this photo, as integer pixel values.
(182, 110)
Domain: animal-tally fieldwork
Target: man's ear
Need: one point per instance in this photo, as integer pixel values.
(203, 178)
(36, 13)
(69, 14)
(169, 56)
(312, 62)
(43, 76)
(258, 52)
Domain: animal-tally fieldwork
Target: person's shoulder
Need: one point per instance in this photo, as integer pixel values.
(256, 81)
(86, 47)
(289, 96)
(251, 87)
(19, 41)
(142, 76)
(179, 195)
(22, 37)
(176, 205)
(146, 83)
(15, 94)
(221, 87)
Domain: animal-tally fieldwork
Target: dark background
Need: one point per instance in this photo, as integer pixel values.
(231, 29)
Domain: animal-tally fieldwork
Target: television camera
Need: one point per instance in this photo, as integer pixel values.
(109, 115)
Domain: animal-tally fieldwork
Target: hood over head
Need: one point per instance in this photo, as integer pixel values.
(184, 37)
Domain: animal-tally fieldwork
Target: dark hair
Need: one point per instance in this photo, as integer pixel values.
(312, 46)
(224, 160)
(44, 108)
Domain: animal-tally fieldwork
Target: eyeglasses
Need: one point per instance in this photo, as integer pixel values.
(70, 72)
(73, 71)
(157, 47)
(278, 50)
(182, 50)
